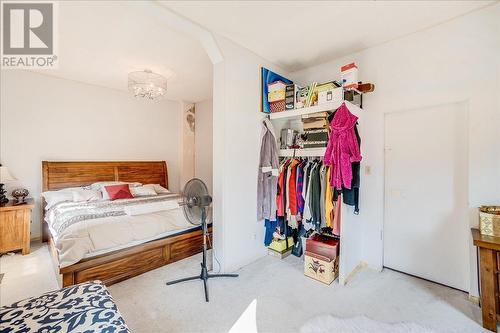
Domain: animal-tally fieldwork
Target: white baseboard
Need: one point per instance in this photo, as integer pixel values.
(474, 299)
(356, 269)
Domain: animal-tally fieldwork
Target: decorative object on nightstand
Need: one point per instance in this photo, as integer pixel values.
(20, 195)
(15, 223)
(5, 176)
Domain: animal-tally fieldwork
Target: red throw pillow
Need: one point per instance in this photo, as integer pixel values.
(121, 191)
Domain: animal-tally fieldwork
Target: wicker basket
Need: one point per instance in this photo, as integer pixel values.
(489, 220)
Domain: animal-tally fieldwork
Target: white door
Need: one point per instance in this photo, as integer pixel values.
(426, 193)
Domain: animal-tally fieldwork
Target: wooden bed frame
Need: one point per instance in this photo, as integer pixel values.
(121, 264)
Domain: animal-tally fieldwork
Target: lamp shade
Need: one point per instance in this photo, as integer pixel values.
(5, 175)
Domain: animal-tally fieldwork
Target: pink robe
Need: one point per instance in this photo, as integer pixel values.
(343, 148)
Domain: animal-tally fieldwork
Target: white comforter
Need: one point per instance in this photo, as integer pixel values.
(93, 236)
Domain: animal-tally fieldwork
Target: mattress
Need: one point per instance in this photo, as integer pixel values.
(142, 241)
(87, 229)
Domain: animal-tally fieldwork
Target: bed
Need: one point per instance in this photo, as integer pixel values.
(126, 260)
(87, 307)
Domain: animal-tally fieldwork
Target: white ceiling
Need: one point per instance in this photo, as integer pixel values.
(101, 42)
(300, 34)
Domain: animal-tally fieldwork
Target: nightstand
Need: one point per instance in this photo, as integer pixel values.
(15, 226)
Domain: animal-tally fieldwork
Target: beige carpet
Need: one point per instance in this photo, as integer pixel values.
(359, 324)
(269, 296)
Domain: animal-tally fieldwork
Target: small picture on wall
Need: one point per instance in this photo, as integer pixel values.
(268, 77)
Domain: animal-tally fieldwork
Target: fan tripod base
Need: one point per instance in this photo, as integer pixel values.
(204, 275)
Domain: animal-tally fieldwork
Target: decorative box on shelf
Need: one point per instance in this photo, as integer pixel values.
(330, 95)
(277, 106)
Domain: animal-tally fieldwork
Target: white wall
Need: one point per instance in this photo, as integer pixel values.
(187, 146)
(238, 236)
(453, 62)
(44, 118)
(203, 142)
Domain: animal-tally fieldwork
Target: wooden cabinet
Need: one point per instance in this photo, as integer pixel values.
(15, 227)
(489, 265)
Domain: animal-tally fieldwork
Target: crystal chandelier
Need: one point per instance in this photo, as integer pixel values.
(147, 84)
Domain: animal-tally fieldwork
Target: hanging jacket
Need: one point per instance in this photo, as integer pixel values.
(292, 188)
(281, 200)
(343, 148)
(292, 195)
(300, 187)
(351, 196)
(267, 180)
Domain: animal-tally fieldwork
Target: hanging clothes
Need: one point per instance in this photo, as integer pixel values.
(292, 187)
(304, 197)
(280, 195)
(343, 148)
(307, 216)
(315, 197)
(270, 228)
(329, 212)
(324, 182)
(267, 174)
(300, 187)
(337, 218)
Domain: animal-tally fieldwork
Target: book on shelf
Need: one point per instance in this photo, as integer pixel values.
(316, 135)
(313, 116)
(311, 97)
(315, 144)
(290, 92)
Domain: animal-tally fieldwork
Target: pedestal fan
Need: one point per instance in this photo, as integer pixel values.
(195, 203)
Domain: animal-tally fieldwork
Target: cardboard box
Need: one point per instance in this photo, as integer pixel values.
(349, 74)
(279, 245)
(280, 255)
(321, 268)
(277, 95)
(290, 91)
(330, 96)
(277, 106)
(276, 85)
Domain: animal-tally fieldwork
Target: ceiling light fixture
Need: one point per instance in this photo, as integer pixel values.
(147, 84)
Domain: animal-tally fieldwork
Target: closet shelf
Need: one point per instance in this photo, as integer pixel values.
(313, 109)
(303, 152)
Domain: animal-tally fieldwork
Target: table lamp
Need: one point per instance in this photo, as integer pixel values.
(5, 176)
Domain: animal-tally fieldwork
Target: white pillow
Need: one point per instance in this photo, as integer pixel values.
(100, 186)
(141, 191)
(86, 195)
(54, 197)
(159, 189)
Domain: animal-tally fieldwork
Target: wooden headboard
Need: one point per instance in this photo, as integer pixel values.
(58, 175)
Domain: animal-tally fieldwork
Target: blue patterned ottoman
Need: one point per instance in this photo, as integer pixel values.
(83, 308)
